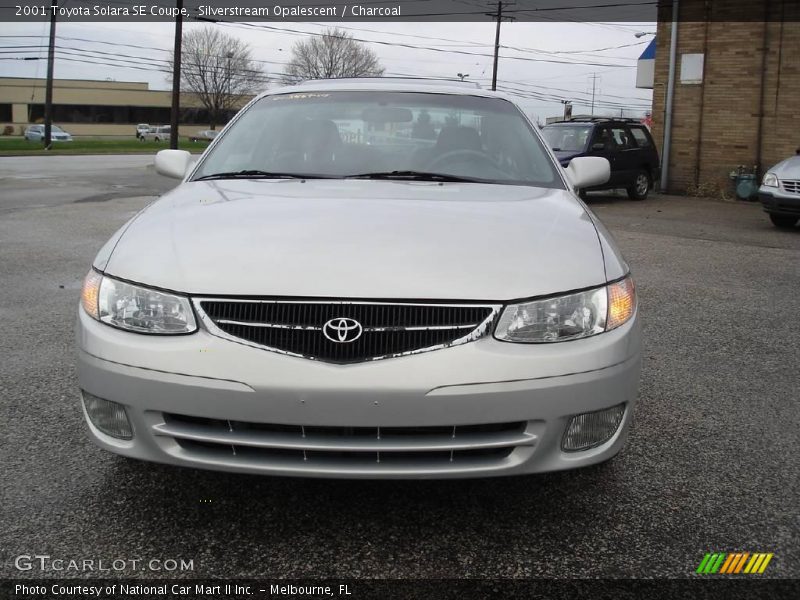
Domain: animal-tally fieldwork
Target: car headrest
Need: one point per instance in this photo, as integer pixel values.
(458, 138)
(320, 133)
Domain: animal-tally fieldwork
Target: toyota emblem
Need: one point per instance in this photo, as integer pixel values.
(342, 330)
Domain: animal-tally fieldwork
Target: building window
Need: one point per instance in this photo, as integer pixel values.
(118, 115)
(5, 112)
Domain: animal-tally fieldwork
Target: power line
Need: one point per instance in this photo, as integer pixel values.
(289, 31)
(123, 60)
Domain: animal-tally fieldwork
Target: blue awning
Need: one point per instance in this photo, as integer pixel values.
(650, 51)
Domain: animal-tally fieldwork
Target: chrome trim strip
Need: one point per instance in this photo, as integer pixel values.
(480, 330)
(270, 325)
(371, 329)
(421, 328)
(474, 441)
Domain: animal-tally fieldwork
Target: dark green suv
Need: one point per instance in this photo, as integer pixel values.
(626, 143)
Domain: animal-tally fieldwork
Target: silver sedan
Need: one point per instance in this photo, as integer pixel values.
(35, 133)
(780, 192)
(365, 279)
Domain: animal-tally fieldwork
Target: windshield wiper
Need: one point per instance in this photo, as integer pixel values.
(257, 174)
(415, 176)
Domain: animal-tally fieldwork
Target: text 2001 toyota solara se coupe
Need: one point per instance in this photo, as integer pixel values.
(365, 279)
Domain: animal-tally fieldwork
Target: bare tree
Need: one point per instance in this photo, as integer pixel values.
(217, 67)
(332, 54)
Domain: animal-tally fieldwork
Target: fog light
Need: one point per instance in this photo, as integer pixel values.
(588, 430)
(109, 417)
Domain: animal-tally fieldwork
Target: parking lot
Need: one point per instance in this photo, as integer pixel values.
(711, 463)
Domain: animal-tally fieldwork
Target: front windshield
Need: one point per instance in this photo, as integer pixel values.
(566, 138)
(350, 133)
(56, 128)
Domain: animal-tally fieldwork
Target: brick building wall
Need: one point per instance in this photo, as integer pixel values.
(715, 125)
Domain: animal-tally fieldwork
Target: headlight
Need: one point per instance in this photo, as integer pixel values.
(136, 308)
(770, 180)
(568, 317)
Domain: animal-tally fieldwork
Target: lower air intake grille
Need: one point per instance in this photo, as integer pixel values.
(372, 448)
(791, 185)
(346, 332)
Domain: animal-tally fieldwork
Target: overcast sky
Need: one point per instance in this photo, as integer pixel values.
(570, 45)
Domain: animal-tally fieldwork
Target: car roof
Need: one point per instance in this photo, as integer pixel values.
(597, 121)
(393, 84)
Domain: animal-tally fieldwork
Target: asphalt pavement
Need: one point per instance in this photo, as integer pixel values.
(711, 463)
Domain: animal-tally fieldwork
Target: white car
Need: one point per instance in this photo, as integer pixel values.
(141, 128)
(780, 192)
(35, 133)
(379, 307)
(155, 134)
(206, 135)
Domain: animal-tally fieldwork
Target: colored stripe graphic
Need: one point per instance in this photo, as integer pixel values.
(729, 562)
(718, 564)
(741, 562)
(733, 563)
(753, 561)
(764, 564)
(703, 563)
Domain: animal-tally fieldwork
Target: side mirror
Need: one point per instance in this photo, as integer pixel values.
(588, 171)
(173, 163)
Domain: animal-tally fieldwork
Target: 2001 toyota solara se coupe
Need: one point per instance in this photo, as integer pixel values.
(365, 278)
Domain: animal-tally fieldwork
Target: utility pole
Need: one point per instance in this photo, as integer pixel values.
(176, 78)
(594, 82)
(567, 109)
(499, 16)
(48, 95)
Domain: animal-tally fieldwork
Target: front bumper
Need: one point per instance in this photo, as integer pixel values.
(777, 201)
(182, 395)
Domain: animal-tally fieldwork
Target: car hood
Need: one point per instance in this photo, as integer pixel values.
(360, 239)
(787, 169)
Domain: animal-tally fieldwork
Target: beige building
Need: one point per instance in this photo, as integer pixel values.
(736, 90)
(97, 108)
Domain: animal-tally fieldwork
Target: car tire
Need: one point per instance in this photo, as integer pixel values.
(783, 221)
(641, 185)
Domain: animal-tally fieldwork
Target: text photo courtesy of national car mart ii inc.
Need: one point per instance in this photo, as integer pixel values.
(181, 590)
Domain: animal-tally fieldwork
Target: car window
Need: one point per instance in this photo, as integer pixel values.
(620, 138)
(566, 138)
(344, 133)
(602, 136)
(641, 137)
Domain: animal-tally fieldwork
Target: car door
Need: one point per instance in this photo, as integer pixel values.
(602, 145)
(648, 156)
(626, 155)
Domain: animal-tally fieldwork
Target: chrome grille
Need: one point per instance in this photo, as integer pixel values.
(295, 447)
(385, 329)
(791, 185)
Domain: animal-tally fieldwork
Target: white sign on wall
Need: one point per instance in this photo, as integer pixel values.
(692, 68)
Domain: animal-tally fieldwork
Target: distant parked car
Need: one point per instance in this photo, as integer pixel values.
(156, 134)
(780, 192)
(204, 136)
(626, 143)
(142, 128)
(35, 133)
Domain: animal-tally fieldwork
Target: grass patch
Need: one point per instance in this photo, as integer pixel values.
(16, 146)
